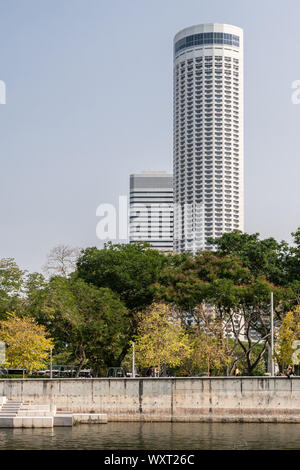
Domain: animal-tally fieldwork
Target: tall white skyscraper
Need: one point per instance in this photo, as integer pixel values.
(151, 209)
(208, 134)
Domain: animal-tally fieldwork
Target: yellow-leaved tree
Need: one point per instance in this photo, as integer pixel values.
(27, 343)
(287, 350)
(161, 340)
(210, 351)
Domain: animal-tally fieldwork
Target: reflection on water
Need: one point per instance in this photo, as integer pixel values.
(178, 436)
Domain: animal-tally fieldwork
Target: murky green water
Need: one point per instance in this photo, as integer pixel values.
(145, 436)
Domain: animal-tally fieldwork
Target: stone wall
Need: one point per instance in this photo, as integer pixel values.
(244, 399)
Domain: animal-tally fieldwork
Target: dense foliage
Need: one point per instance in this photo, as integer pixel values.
(221, 300)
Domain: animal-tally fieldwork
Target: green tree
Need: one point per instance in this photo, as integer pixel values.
(240, 362)
(129, 270)
(11, 286)
(293, 260)
(265, 257)
(88, 323)
(188, 283)
(240, 299)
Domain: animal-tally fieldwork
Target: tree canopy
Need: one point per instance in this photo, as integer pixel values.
(129, 270)
(93, 309)
(91, 324)
(160, 340)
(27, 343)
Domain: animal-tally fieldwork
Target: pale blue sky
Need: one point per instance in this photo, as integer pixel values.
(89, 101)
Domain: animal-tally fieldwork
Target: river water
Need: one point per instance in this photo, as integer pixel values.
(152, 436)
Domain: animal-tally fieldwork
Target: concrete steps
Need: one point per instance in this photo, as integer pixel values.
(20, 415)
(10, 409)
(34, 413)
(27, 406)
(27, 409)
(25, 415)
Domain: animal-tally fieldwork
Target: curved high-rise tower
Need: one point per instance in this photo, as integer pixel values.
(208, 134)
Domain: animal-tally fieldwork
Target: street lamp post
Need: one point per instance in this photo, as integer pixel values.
(51, 363)
(2, 344)
(133, 361)
(272, 336)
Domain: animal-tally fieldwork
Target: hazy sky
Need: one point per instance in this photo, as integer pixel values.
(89, 101)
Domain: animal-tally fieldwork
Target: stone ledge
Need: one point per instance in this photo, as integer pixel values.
(237, 419)
(89, 418)
(26, 422)
(63, 420)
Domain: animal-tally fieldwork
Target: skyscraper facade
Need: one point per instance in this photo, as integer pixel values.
(151, 209)
(208, 134)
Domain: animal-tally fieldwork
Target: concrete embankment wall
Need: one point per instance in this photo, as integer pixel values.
(248, 399)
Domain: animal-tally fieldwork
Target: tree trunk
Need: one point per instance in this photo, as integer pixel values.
(227, 366)
(82, 360)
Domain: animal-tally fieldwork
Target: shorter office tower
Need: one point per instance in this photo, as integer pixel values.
(151, 209)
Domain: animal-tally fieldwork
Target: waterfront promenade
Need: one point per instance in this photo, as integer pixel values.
(205, 399)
